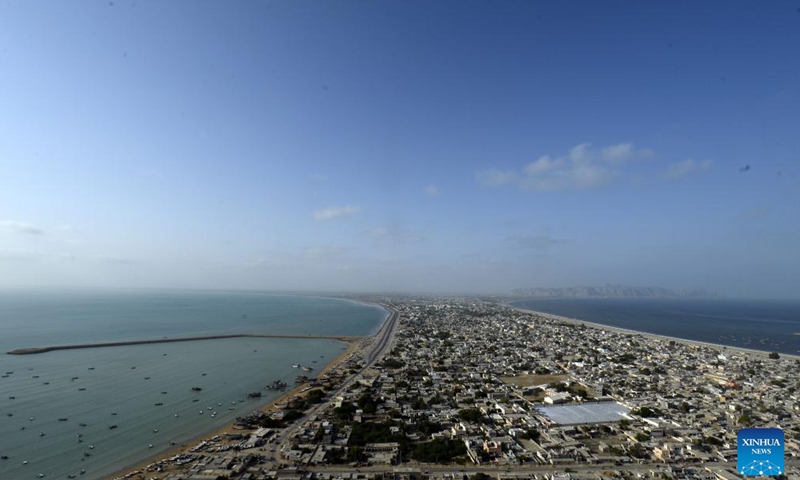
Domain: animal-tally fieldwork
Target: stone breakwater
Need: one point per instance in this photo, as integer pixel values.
(36, 350)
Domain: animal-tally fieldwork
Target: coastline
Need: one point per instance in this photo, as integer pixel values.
(354, 345)
(652, 336)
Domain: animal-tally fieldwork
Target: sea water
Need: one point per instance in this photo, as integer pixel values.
(754, 324)
(146, 391)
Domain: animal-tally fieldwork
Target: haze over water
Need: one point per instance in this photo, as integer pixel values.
(91, 385)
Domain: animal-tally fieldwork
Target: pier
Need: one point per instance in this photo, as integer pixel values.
(36, 350)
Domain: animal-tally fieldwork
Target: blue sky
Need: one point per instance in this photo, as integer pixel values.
(400, 146)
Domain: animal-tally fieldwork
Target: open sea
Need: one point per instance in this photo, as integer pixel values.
(754, 324)
(146, 390)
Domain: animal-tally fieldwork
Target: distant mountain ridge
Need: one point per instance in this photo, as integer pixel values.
(614, 291)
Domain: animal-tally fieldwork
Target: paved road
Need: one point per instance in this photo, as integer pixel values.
(521, 470)
(382, 342)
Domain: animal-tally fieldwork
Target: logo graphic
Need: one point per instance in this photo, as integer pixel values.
(760, 452)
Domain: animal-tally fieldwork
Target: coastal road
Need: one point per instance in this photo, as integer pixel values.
(383, 341)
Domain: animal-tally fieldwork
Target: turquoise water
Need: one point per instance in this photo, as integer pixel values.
(89, 386)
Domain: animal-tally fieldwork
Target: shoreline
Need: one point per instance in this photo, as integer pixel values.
(652, 336)
(354, 345)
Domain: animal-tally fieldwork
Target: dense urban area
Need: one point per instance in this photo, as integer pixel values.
(459, 388)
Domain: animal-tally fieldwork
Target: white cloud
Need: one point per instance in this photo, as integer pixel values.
(680, 169)
(383, 234)
(583, 167)
(431, 190)
(21, 227)
(342, 211)
(496, 178)
(623, 152)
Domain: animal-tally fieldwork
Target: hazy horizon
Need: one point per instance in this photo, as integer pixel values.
(448, 147)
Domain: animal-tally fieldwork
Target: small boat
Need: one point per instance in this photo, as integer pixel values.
(10, 414)
(196, 400)
(159, 404)
(12, 398)
(40, 475)
(24, 462)
(36, 376)
(196, 389)
(113, 413)
(91, 368)
(133, 368)
(147, 378)
(63, 419)
(163, 393)
(308, 369)
(254, 394)
(201, 412)
(149, 445)
(176, 415)
(3, 457)
(295, 365)
(46, 383)
(81, 389)
(203, 375)
(112, 427)
(22, 427)
(91, 447)
(75, 378)
(82, 424)
(41, 434)
(155, 430)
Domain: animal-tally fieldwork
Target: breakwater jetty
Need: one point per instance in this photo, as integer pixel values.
(36, 350)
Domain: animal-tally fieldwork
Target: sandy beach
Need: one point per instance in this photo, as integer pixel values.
(653, 336)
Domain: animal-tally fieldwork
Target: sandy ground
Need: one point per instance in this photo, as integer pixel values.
(353, 346)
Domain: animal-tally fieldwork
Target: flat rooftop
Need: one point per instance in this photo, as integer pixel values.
(602, 412)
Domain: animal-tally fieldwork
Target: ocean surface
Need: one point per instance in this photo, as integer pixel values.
(146, 390)
(754, 324)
